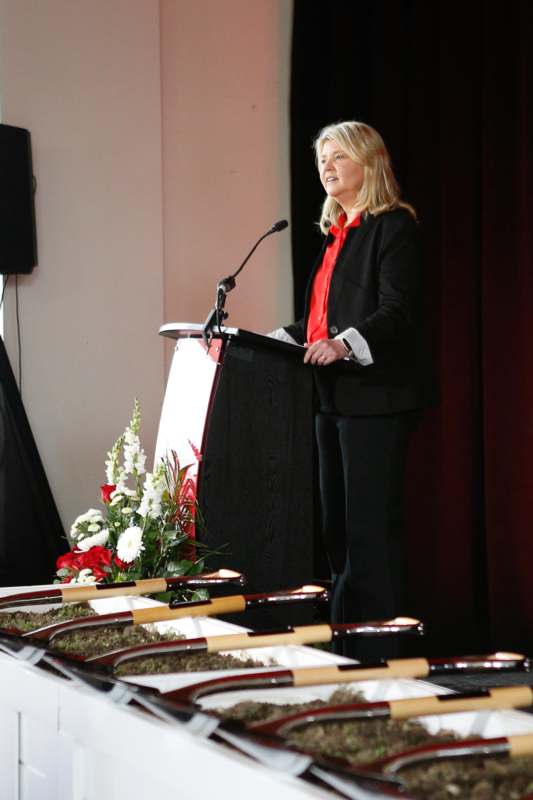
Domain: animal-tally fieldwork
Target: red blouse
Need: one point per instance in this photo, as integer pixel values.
(317, 322)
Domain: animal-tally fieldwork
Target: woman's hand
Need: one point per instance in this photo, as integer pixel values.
(324, 352)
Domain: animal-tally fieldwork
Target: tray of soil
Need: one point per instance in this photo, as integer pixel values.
(362, 741)
(88, 643)
(193, 627)
(47, 615)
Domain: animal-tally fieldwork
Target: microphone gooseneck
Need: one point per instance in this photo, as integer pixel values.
(276, 228)
(217, 316)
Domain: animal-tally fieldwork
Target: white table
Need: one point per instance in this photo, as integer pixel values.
(62, 741)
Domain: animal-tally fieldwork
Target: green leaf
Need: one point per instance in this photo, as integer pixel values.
(164, 597)
(182, 567)
(200, 594)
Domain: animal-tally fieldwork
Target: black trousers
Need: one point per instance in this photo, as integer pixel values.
(362, 467)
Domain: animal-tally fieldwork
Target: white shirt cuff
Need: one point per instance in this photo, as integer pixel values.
(359, 346)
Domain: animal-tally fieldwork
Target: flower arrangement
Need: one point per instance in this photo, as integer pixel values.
(145, 529)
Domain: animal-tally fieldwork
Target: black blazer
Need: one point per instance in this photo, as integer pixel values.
(375, 288)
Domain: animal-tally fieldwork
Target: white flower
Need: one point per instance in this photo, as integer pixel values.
(114, 473)
(129, 544)
(93, 541)
(117, 498)
(125, 490)
(122, 491)
(93, 527)
(154, 486)
(127, 511)
(122, 475)
(93, 517)
(84, 576)
(134, 457)
(90, 516)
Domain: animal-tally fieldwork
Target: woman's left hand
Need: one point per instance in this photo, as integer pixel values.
(324, 352)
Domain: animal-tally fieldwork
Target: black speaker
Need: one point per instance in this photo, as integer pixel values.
(18, 240)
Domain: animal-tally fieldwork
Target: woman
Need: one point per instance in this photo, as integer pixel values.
(361, 332)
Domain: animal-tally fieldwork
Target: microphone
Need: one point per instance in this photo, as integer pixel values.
(279, 226)
(218, 315)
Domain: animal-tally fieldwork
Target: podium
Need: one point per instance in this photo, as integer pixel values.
(246, 404)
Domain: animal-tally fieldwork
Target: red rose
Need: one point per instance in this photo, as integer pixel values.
(99, 574)
(105, 491)
(71, 562)
(95, 559)
(68, 560)
(97, 556)
(122, 565)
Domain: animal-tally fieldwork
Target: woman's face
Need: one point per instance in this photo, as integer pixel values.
(341, 177)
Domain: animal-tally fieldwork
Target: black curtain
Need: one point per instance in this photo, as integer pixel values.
(449, 86)
(31, 534)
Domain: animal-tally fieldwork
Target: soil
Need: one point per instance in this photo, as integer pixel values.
(362, 741)
(195, 662)
(28, 621)
(359, 741)
(93, 643)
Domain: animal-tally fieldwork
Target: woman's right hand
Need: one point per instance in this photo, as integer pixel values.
(324, 352)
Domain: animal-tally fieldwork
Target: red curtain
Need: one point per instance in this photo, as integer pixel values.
(507, 322)
(449, 85)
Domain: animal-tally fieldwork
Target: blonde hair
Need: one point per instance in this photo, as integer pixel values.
(380, 191)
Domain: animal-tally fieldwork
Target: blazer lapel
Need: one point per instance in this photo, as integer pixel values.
(355, 241)
(352, 245)
(318, 262)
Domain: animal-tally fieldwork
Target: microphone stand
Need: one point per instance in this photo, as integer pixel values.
(217, 315)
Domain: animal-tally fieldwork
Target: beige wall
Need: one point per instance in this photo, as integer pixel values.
(84, 78)
(225, 88)
(160, 145)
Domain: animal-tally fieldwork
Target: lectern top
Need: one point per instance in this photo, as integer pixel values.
(194, 330)
(184, 330)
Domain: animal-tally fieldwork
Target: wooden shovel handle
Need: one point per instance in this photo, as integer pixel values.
(508, 697)
(79, 594)
(204, 608)
(235, 641)
(345, 673)
(520, 745)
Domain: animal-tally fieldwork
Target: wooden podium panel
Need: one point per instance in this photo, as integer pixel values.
(253, 396)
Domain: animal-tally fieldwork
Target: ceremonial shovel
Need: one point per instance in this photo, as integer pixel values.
(337, 774)
(305, 634)
(501, 746)
(197, 608)
(498, 698)
(334, 773)
(346, 673)
(100, 591)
